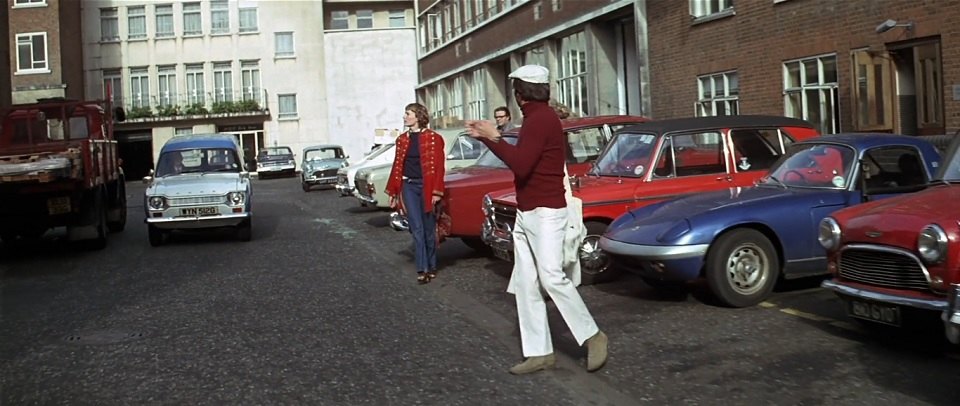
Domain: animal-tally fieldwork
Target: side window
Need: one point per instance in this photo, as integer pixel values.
(78, 128)
(466, 148)
(891, 169)
(755, 149)
(698, 154)
(584, 144)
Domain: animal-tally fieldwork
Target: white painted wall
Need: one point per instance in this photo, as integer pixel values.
(370, 77)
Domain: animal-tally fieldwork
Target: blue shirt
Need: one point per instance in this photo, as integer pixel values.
(411, 166)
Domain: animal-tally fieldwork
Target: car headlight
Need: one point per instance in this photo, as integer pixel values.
(487, 205)
(235, 198)
(157, 202)
(829, 233)
(344, 164)
(932, 244)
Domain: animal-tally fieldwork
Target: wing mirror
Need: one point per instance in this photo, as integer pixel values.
(149, 178)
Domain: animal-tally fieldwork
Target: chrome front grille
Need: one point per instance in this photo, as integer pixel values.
(361, 186)
(326, 173)
(504, 217)
(194, 200)
(883, 267)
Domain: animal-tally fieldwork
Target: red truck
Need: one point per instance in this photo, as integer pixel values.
(59, 168)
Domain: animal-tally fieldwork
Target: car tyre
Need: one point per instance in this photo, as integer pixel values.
(118, 224)
(305, 186)
(156, 235)
(742, 268)
(595, 265)
(245, 230)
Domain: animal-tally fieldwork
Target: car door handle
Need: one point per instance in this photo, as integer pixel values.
(725, 178)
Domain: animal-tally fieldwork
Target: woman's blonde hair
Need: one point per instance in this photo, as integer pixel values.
(419, 110)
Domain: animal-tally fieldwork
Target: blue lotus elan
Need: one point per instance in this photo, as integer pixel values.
(742, 240)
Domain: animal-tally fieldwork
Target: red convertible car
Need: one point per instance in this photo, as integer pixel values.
(656, 161)
(901, 253)
(465, 187)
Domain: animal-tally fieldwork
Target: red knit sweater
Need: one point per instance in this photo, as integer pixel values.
(538, 158)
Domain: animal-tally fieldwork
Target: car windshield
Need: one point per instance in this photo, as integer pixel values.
(812, 165)
(626, 155)
(951, 171)
(488, 158)
(323, 153)
(197, 161)
(275, 151)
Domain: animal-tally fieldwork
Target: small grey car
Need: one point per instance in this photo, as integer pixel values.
(320, 164)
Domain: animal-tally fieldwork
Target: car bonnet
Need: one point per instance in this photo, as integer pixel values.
(195, 184)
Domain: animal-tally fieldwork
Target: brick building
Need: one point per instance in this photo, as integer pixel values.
(41, 38)
(839, 64)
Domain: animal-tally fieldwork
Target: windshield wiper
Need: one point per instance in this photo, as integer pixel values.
(777, 181)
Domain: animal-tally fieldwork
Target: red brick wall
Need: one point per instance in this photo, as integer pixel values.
(763, 34)
(36, 19)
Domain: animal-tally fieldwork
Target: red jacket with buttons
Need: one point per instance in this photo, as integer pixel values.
(432, 161)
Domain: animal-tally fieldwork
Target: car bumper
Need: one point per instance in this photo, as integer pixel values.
(222, 220)
(276, 168)
(499, 240)
(320, 181)
(654, 252)
(366, 199)
(661, 262)
(951, 316)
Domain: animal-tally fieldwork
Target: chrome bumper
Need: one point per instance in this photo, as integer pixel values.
(654, 252)
(345, 190)
(951, 315)
(222, 220)
(366, 199)
(496, 238)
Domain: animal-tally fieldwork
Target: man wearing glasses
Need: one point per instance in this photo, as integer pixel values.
(502, 115)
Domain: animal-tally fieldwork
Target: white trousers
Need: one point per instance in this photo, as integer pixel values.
(538, 251)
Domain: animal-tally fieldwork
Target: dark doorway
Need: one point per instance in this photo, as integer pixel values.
(136, 150)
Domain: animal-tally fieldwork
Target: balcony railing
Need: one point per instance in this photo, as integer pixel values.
(184, 105)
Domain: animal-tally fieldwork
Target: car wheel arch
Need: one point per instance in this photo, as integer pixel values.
(756, 226)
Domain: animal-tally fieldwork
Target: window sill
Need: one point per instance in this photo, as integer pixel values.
(31, 72)
(730, 12)
(165, 36)
(275, 57)
(220, 34)
(249, 32)
(288, 118)
(29, 5)
(110, 41)
(193, 35)
(142, 39)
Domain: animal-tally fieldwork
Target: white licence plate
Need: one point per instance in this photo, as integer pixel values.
(199, 211)
(58, 205)
(502, 254)
(878, 312)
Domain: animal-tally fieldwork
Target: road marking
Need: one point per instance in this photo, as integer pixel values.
(808, 316)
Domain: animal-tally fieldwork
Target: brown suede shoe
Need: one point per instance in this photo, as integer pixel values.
(596, 351)
(534, 364)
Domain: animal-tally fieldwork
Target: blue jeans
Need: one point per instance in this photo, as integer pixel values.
(423, 226)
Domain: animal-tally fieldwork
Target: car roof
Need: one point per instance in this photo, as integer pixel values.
(590, 121)
(321, 146)
(701, 123)
(868, 140)
(195, 141)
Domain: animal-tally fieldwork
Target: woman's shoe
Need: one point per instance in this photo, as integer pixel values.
(422, 278)
(432, 274)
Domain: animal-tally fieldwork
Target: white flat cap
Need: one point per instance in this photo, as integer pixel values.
(531, 74)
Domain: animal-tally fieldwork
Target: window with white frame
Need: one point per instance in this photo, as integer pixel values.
(248, 18)
(284, 44)
(250, 80)
(719, 95)
(192, 22)
(167, 85)
(113, 84)
(219, 16)
(32, 52)
(364, 19)
(287, 105)
(477, 105)
(454, 11)
(222, 82)
(339, 20)
(703, 8)
(136, 22)
(33, 3)
(195, 85)
(423, 37)
(438, 101)
(180, 131)
(810, 92)
(164, 17)
(398, 18)
(109, 25)
(139, 88)
(436, 34)
(455, 109)
(468, 16)
(572, 78)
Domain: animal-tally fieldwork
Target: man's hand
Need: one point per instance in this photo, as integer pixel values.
(393, 202)
(483, 129)
(435, 199)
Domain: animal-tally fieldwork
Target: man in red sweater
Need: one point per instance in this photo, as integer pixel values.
(537, 163)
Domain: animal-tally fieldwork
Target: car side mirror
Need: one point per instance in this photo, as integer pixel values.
(149, 178)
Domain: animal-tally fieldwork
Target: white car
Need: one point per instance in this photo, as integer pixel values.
(200, 182)
(345, 176)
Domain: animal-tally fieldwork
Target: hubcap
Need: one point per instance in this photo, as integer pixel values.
(747, 269)
(592, 259)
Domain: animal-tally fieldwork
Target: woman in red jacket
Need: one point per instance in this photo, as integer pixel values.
(417, 178)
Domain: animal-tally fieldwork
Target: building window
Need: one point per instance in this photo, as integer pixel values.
(438, 102)
(139, 88)
(164, 20)
(250, 80)
(538, 11)
(192, 23)
(29, 3)
(364, 18)
(284, 44)
(136, 22)
(719, 95)
(556, 5)
(113, 87)
(109, 26)
(248, 19)
(219, 17)
(477, 107)
(167, 85)
(535, 56)
(339, 20)
(287, 105)
(180, 131)
(703, 8)
(456, 99)
(222, 82)
(468, 15)
(810, 92)
(398, 18)
(32, 52)
(572, 80)
(195, 87)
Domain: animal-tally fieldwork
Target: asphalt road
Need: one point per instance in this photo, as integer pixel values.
(322, 307)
